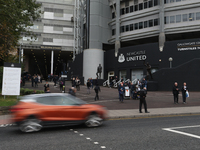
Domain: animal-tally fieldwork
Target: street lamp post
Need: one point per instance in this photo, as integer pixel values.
(170, 62)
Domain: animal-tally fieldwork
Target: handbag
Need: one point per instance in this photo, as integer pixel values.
(187, 94)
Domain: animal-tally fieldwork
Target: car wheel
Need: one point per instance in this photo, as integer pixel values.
(30, 125)
(93, 120)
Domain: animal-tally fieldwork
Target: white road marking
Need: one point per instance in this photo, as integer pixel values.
(183, 133)
(96, 143)
(71, 129)
(88, 138)
(103, 147)
(81, 134)
(75, 131)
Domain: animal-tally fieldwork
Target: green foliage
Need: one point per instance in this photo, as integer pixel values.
(16, 18)
(8, 101)
(29, 91)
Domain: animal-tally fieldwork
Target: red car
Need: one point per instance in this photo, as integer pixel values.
(33, 112)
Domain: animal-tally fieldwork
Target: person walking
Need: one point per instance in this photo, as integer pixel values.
(77, 84)
(143, 93)
(121, 92)
(33, 80)
(184, 89)
(36, 81)
(46, 86)
(88, 86)
(144, 83)
(97, 90)
(175, 91)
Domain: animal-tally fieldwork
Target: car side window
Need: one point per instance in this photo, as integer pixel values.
(61, 100)
(46, 100)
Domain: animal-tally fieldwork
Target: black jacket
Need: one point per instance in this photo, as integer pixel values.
(143, 94)
(184, 90)
(175, 92)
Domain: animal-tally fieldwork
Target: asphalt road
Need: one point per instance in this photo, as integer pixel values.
(122, 134)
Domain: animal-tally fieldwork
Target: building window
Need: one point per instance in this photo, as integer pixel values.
(166, 1)
(171, 1)
(131, 9)
(127, 28)
(172, 19)
(185, 17)
(145, 5)
(178, 0)
(136, 7)
(113, 31)
(145, 24)
(150, 23)
(198, 16)
(113, 15)
(150, 4)
(122, 11)
(140, 6)
(136, 26)
(156, 22)
(178, 18)
(47, 39)
(191, 17)
(131, 27)
(126, 3)
(140, 25)
(122, 29)
(127, 10)
(155, 2)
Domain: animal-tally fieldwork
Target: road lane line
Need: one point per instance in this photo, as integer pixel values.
(183, 133)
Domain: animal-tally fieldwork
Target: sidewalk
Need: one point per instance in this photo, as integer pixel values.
(158, 103)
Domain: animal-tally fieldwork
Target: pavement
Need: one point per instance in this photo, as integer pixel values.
(159, 103)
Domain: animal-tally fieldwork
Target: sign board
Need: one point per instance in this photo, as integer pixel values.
(11, 79)
(47, 47)
(64, 76)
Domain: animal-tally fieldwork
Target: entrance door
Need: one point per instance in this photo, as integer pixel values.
(136, 74)
(122, 74)
(110, 76)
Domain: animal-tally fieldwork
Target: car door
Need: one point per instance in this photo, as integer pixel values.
(48, 110)
(70, 110)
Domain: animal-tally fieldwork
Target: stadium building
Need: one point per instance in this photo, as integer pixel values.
(123, 35)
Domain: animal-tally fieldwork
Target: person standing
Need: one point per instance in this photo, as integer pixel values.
(184, 89)
(73, 82)
(46, 86)
(91, 81)
(36, 81)
(121, 92)
(88, 86)
(77, 84)
(33, 80)
(97, 90)
(143, 93)
(144, 83)
(175, 91)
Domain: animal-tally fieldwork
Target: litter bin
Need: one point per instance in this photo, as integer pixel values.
(127, 92)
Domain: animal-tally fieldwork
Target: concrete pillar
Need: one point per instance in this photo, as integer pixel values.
(117, 35)
(91, 60)
(162, 26)
(52, 53)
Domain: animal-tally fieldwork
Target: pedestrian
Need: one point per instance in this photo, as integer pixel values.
(61, 84)
(77, 84)
(73, 82)
(97, 90)
(144, 83)
(36, 81)
(72, 91)
(121, 92)
(143, 93)
(175, 91)
(91, 81)
(184, 89)
(46, 86)
(39, 78)
(88, 86)
(23, 80)
(54, 80)
(33, 80)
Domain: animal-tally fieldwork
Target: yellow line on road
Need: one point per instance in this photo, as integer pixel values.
(161, 116)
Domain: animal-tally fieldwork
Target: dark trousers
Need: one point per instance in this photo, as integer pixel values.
(96, 96)
(36, 84)
(78, 87)
(143, 101)
(175, 98)
(32, 84)
(121, 97)
(184, 96)
(61, 87)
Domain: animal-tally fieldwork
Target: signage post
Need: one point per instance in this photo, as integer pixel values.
(11, 79)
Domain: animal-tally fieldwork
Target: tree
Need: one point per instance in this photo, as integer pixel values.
(16, 17)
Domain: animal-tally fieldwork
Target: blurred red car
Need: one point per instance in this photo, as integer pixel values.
(33, 112)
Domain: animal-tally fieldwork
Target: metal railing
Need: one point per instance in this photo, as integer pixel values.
(105, 83)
